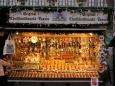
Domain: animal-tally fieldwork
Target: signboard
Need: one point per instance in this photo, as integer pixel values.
(64, 17)
(94, 82)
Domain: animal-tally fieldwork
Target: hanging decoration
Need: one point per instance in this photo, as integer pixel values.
(51, 2)
(21, 2)
(103, 49)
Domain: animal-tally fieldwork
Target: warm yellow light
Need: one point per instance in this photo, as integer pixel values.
(91, 34)
(33, 39)
(17, 33)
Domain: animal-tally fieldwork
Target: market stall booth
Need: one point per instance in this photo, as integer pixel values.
(61, 45)
(55, 56)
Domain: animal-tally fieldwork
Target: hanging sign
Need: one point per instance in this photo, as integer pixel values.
(64, 17)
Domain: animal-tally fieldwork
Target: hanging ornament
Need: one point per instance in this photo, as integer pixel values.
(21, 2)
(51, 2)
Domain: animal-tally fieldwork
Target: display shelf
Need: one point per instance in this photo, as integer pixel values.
(52, 74)
(52, 80)
(55, 55)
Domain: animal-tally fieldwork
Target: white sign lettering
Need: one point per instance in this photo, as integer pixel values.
(38, 17)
